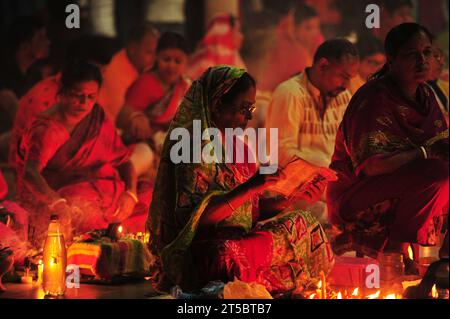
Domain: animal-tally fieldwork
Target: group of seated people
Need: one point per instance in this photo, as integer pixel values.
(93, 145)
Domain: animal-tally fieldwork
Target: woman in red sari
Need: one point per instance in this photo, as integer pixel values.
(72, 162)
(152, 101)
(391, 156)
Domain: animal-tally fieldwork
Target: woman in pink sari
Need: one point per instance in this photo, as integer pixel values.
(391, 156)
(72, 162)
(153, 99)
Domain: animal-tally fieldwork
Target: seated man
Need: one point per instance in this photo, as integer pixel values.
(393, 13)
(72, 162)
(296, 38)
(308, 108)
(371, 59)
(307, 32)
(136, 58)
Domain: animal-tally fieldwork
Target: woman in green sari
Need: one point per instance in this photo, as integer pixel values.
(208, 221)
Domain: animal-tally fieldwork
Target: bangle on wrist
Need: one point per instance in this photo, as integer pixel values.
(133, 195)
(424, 152)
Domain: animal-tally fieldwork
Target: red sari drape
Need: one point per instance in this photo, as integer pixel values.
(147, 94)
(81, 167)
(406, 205)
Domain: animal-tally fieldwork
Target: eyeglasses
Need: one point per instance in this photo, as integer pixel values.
(246, 108)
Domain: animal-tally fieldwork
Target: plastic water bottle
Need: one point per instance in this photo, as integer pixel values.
(55, 260)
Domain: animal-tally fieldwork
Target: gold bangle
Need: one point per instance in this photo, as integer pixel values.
(133, 195)
(424, 151)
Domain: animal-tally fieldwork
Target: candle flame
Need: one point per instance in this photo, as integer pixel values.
(40, 262)
(339, 296)
(319, 285)
(410, 253)
(375, 295)
(120, 229)
(434, 292)
(355, 292)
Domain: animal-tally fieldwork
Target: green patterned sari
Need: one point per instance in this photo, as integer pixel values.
(282, 253)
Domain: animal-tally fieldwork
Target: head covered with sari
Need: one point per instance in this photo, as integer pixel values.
(385, 118)
(182, 191)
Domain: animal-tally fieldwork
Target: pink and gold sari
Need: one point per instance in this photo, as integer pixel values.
(81, 167)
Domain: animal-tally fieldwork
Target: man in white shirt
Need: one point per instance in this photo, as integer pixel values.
(308, 108)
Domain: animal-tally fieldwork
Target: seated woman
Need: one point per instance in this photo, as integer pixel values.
(203, 218)
(72, 162)
(153, 99)
(391, 156)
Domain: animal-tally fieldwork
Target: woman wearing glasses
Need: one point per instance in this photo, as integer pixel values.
(207, 221)
(72, 162)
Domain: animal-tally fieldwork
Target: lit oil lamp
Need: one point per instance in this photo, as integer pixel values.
(115, 231)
